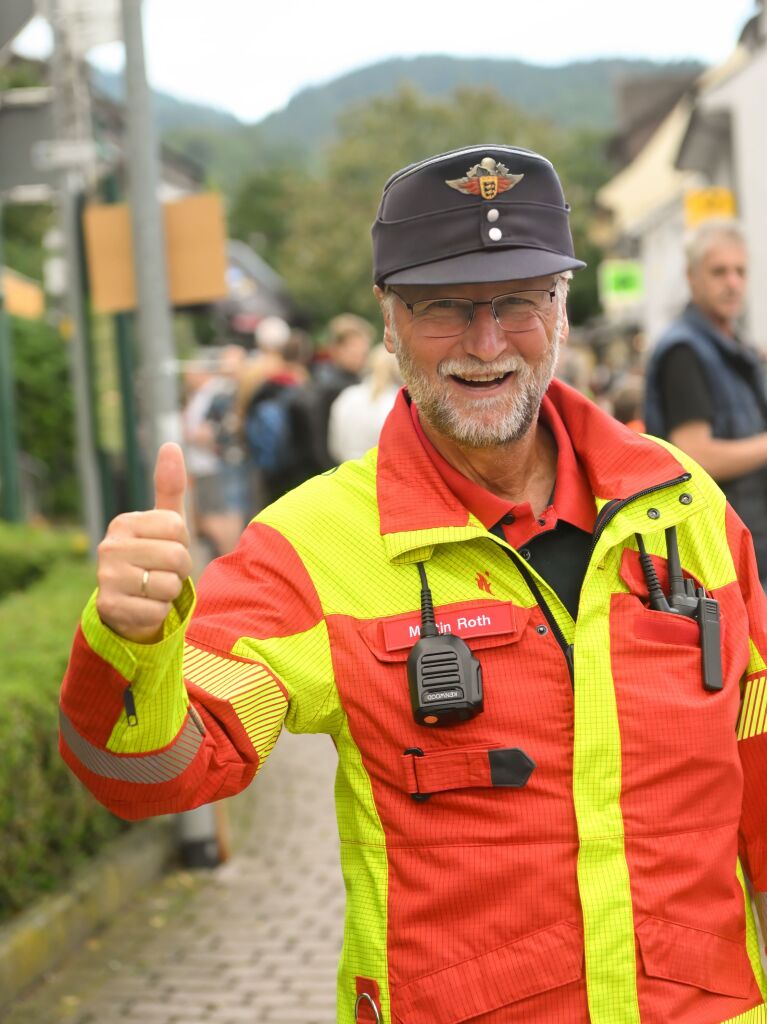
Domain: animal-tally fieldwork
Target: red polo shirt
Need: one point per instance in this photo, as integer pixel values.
(572, 500)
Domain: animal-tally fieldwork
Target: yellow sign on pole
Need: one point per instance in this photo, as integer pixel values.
(704, 203)
(23, 296)
(195, 251)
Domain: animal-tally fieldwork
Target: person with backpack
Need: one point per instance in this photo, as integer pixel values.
(277, 420)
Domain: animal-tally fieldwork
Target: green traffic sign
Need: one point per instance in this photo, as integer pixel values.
(621, 280)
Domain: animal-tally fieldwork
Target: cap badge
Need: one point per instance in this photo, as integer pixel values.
(486, 179)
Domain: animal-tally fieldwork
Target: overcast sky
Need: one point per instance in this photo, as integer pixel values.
(250, 58)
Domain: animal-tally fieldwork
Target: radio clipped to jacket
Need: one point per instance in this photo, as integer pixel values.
(444, 676)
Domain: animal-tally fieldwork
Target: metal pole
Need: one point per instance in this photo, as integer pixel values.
(71, 119)
(158, 375)
(10, 492)
(135, 470)
(199, 836)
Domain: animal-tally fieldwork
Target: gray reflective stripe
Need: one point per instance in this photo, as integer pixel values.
(148, 768)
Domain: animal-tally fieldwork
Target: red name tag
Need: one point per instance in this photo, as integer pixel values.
(491, 619)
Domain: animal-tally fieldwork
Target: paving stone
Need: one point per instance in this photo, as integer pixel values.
(255, 940)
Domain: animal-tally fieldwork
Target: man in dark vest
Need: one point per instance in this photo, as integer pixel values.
(706, 388)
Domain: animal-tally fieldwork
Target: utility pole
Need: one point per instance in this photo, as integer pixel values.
(10, 489)
(158, 372)
(72, 123)
(200, 833)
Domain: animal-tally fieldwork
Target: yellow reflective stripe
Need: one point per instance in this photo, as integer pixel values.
(756, 1016)
(752, 940)
(250, 688)
(365, 867)
(603, 875)
(753, 713)
(147, 769)
(756, 662)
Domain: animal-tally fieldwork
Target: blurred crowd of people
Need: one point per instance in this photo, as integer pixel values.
(259, 422)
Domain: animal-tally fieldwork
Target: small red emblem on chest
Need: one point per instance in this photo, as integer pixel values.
(483, 582)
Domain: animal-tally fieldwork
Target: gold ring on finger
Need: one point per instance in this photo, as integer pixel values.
(145, 583)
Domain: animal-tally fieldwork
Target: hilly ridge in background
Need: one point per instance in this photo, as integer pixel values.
(576, 95)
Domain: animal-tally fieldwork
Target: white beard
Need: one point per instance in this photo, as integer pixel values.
(488, 421)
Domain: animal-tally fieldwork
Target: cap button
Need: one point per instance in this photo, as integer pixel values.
(495, 234)
(493, 215)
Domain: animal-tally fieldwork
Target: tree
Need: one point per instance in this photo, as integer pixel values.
(321, 241)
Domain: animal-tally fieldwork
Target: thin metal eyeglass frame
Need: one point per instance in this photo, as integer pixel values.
(410, 306)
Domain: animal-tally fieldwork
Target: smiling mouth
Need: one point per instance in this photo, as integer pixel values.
(481, 381)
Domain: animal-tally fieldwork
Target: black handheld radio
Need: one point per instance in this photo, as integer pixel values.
(444, 676)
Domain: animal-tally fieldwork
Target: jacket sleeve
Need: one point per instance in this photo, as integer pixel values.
(160, 728)
(752, 721)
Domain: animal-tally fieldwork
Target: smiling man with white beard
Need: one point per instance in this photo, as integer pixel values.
(537, 640)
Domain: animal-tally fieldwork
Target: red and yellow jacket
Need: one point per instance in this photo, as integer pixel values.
(610, 888)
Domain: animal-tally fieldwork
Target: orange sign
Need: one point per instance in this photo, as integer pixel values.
(195, 251)
(22, 296)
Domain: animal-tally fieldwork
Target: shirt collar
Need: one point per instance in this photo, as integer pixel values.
(572, 499)
(414, 501)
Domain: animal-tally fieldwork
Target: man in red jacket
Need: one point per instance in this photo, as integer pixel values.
(536, 638)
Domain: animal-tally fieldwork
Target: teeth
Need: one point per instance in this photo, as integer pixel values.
(482, 377)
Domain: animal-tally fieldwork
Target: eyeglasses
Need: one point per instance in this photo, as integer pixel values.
(446, 317)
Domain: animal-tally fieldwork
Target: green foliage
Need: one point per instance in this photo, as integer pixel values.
(23, 229)
(321, 225)
(29, 552)
(49, 823)
(575, 95)
(259, 213)
(45, 413)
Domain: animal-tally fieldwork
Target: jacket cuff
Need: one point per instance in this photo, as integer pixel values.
(135, 661)
(154, 673)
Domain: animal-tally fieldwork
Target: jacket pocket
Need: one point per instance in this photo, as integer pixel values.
(482, 624)
(694, 957)
(535, 963)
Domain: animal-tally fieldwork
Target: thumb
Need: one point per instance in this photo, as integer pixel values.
(170, 479)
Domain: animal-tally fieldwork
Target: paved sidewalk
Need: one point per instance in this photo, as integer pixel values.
(256, 940)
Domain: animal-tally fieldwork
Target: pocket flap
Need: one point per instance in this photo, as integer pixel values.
(532, 964)
(481, 623)
(694, 957)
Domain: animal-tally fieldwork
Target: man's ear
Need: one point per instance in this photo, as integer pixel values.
(386, 314)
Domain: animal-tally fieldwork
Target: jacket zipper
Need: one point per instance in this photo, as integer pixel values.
(130, 706)
(609, 511)
(612, 508)
(556, 629)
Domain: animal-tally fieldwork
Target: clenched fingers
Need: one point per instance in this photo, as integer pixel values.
(156, 524)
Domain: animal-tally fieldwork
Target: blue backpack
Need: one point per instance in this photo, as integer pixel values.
(279, 433)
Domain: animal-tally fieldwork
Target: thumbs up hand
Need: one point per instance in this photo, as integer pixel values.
(144, 558)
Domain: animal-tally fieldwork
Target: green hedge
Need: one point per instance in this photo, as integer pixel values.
(28, 552)
(49, 823)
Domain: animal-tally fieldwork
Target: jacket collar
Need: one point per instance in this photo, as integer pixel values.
(417, 509)
(734, 347)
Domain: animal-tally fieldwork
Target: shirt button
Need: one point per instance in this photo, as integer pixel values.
(541, 630)
(541, 522)
(508, 519)
(493, 215)
(495, 234)
(525, 552)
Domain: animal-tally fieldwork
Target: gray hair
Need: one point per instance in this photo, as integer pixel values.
(703, 238)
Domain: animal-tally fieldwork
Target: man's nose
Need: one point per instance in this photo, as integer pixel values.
(484, 337)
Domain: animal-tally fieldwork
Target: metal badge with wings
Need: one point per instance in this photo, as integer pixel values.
(487, 179)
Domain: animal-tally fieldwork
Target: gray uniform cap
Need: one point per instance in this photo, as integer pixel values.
(482, 213)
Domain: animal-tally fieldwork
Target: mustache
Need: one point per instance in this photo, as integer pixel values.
(457, 367)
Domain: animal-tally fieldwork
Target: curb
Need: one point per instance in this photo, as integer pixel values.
(35, 941)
